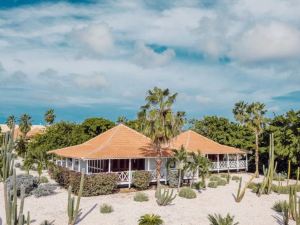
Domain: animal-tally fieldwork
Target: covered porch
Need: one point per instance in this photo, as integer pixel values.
(224, 162)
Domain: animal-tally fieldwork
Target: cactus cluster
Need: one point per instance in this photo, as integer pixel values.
(14, 216)
(241, 191)
(266, 186)
(294, 205)
(7, 160)
(164, 196)
(73, 207)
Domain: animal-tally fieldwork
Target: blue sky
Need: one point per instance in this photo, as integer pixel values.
(98, 58)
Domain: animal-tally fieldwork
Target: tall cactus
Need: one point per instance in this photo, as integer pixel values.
(73, 210)
(294, 205)
(241, 191)
(298, 173)
(266, 185)
(164, 196)
(289, 173)
(13, 215)
(6, 156)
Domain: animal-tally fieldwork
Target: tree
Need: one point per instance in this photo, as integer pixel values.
(160, 123)
(95, 126)
(49, 116)
(252, 116)
(10, 121)
(180, 158)
(25, 124)
(122, 119)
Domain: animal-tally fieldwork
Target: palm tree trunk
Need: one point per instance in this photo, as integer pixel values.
(256, 155)
(179, 179)
(158, 167)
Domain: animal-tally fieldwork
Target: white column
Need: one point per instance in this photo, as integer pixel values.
(218, 163)
(228, 161)
(246, 162)
(66, 163)
(73, 163)
(148, 164)
(109, 165)
(79, 165)
(61, 161)
(237, 162)
(129, 174)
(87, 166)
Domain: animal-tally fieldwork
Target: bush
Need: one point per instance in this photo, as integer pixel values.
(187, 193)
(150, 219)
(198, 185)
(221, 182)
(43, 180)
(141, 179)
(212, 184)
(173, 178)
(278, 206)
(105, 208)
(141, 197)
(95, 184)
(218, 219)
(44, 190)
(29, 182)
(236, 178)
(214, 178)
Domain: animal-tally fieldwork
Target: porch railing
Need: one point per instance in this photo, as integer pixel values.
(224, 165)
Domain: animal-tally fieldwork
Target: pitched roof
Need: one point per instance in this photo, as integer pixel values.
(34, 130)
(117, 142)
(194, 142)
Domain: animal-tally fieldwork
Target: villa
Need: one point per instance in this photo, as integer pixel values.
(123, 150)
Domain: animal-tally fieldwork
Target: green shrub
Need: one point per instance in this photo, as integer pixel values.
(150, 219)
(94, 184)
(187, 193)
(105, 208)
(223, 175)
(278, 206)
(212, 184)
(173, 178)
(141, 179)
(44, 190)
(46, 222)
(236, 178)
(29, 183)
(214, 178)
(198, 185)
(140, 197)
(217, 219)
(43, 180)
(221, 182)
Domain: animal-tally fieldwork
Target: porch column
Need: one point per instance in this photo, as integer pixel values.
(87, 166)
(237, 162)
(129, 174)
(66, 161)
(109, 165)
(73, 163)
(79, 165)
(148, 164)
(61, 161)
(228, 161)
(218, 163)
(246, 162)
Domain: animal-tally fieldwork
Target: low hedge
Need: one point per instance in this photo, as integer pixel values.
(94, 184)
(212, 184)
(141, 179)
(187, 192)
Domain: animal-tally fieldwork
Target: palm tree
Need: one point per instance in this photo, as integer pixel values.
(252, 116)
(25, 124)
(180, 158)
(10, 121)
(150, 219)
(159, 122)
(122, 119)
(198, 162)
(49, 116)
(217, 219)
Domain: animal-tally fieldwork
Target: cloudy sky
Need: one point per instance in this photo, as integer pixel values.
(98, 58)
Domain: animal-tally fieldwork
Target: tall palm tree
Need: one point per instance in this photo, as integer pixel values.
(49, 116)
(10, 121)
(252, 116)
(25, 124)
(198, 162)
(159, 122)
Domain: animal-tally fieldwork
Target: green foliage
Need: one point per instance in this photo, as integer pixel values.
(173, 178)
(95, 184)
(11, 121)
(180, 159)
(44, 190)
(221, 182)
(212, 184)
(105, 208)
(25, 124)
(141, 179)
(6, 156)
(164, 196)
(49, 116)
(73, 205)
(150, 219)
(218, 219)
(25, 181)
(46, 222)
(235, 178)
(241, 191)
(214, 178)
(278, 206)
(21, 146)
(140, 197)
(43, 179)
(294, 205)
(95, 126)
(187, 193)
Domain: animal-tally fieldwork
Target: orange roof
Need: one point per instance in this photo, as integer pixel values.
(34, 130)
(118, 142)
(194, 142)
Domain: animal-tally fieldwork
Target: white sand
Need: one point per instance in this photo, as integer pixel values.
(251, 211)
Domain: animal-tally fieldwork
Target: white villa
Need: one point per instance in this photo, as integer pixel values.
(123, 150)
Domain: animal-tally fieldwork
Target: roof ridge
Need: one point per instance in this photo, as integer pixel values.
(129, 128)
(107, 142)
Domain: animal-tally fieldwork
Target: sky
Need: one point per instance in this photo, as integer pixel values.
(99, 58)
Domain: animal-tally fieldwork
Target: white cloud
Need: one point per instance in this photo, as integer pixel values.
(268, 42)
(96, 38)
(95, 81)
(147, 57)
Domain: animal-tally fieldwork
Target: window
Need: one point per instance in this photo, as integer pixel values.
(97, 166)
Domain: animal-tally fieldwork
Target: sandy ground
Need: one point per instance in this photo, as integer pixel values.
(251, 211)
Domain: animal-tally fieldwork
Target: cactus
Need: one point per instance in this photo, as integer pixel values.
(164, 196)
(7, 161)
(13, 215)
(266, 185)
(298, 171)
(241, 192)
(289, 173)
(294, 205)
(73, 211)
